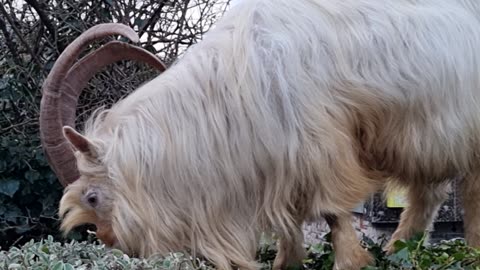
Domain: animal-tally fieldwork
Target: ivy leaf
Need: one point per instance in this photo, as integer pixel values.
(3, 165)
(3, 83)
(9, 187)
(459, 256)
(399, 245)
(32, 176)
(400, 257)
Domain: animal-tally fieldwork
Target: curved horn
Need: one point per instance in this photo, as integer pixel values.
(58, 152)
(79, 75)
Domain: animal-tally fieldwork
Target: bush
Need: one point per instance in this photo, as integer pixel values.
(412, 254)
(29, 190)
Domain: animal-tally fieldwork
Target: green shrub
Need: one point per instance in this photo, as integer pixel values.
(48, 254)
(415, 254)
(29, 190)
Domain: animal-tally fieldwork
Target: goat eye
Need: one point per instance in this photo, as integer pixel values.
(92, 199)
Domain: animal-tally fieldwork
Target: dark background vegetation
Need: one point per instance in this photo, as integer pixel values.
(32, 35)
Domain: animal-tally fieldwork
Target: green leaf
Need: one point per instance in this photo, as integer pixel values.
(14, 266)
(9, 187)
(401, 256)
(399, 245)
(58, 266)
(3, 165)
(370, 268)
(32, 176)
(117, 252)
(166, 264)
(3, 83)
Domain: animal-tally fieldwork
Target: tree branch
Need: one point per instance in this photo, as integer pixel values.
(46, 21)
(152, 19)
(20, 36)
(9, 42)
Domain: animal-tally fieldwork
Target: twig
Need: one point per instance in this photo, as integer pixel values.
(9, 42)
(152, 19)
(46, 21)
(20, 36)
(18, 240)
(12, 126)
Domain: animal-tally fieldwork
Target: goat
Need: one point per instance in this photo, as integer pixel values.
(285, 112)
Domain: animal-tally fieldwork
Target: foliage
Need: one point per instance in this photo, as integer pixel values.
(415, 254)
(28, 188)
(48, 254)
(412, 254)
(29, 191)
(32, 35)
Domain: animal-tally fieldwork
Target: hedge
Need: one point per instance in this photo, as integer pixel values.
(413, 254)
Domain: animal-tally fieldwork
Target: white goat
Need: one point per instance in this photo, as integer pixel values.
(287, 111)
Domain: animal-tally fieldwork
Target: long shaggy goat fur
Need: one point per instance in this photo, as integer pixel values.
(288, 111)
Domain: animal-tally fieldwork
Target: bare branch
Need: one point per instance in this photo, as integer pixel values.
(9, 42)
(152, 19)
(19, 34)
(46, 21)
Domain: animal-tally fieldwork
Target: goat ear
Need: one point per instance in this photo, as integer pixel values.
(79, 142)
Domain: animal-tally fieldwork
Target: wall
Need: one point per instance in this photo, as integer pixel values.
(376, 220)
